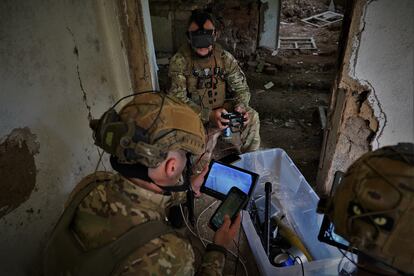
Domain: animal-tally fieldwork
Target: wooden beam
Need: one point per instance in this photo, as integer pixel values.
(135, 42)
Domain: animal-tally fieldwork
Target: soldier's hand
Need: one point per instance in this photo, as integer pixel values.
(242, 110)
(215, 118)
(227, 232)
(197, 181)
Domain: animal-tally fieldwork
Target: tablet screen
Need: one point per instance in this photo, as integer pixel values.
(222, 177)
(327, 234)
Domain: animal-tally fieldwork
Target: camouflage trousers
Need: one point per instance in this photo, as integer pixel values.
(245, 141)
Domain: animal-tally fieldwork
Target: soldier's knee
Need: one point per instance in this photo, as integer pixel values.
(254, 117)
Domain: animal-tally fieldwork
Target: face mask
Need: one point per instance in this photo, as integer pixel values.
(201, 38)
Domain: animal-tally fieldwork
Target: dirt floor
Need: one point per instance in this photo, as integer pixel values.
(289, 110)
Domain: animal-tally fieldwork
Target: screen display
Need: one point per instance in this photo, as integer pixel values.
(229, 207)
(330, 233)
(327, 235)
(221, 178)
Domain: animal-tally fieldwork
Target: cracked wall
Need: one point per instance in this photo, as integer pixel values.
(372, 100)
(62, 63)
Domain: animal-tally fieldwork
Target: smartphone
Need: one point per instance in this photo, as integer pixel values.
(232, 204)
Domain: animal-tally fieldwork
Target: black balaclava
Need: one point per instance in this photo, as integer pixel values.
(141, 172)
(201, 38)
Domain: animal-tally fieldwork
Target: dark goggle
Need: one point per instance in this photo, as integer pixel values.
(201, 38)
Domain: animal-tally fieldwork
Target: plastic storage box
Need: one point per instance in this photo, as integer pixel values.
(293, 196)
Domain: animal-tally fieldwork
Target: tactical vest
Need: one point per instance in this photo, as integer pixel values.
(206, 85)
(66, 257)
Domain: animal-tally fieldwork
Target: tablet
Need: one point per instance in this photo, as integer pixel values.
(222, 177)
(327, 235)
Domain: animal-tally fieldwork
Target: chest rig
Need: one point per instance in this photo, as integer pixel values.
(206, 85)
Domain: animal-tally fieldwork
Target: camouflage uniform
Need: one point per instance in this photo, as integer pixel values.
(209, 83)
(115, 206)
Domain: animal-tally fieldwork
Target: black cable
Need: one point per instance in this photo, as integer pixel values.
(301, 264)
(367, 270)
(339, 265)
(158, 115)
(134, 94)
(145, 92)
(363, 268)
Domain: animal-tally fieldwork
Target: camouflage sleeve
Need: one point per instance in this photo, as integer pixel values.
(177, 73)
(236, 80)
(213, 261)
(166, 255)
(178, 198)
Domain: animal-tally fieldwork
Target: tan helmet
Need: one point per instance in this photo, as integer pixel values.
(147, 128)
(373, 206)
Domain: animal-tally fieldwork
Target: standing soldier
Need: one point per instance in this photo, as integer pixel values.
(210, 81)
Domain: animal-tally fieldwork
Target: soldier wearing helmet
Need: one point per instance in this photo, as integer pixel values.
(117, 223)
(373, 209)
(209, 80)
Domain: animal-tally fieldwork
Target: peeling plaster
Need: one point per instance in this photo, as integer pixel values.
(382, 116)
(17, 168)
(375, 82)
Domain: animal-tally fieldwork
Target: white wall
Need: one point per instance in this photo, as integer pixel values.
(39, 89)
(384, 61)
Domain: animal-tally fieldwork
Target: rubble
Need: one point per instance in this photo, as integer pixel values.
(269, 85)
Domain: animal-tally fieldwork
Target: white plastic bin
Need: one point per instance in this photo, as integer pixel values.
(298, 201)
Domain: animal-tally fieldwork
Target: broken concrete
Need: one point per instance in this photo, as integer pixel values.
(377, 61)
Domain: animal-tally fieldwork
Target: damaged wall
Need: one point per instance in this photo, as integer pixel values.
(61, 63)
(372, 101)
(239, 22)
(137, 36)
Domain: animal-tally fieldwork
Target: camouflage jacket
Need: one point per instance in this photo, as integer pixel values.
(113, 208)
(180, 71)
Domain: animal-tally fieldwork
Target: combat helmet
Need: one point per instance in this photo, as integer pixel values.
(147, 128)
(373, 206)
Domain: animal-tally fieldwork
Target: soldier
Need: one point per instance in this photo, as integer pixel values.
(116, 224)
(373, 209)
(209, 80)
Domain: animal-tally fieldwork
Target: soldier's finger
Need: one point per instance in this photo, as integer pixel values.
(235, 225)
(240, 109)
(226, 223)
(220, 125)
(204, 171)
